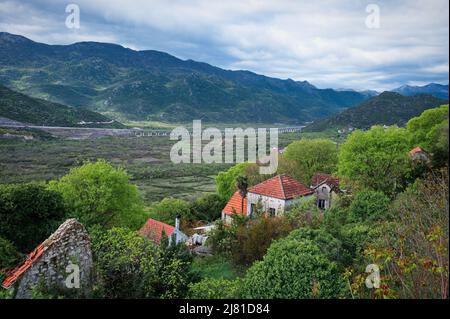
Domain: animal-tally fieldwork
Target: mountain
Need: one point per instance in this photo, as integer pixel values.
(388, 108)
(22, 108)
(434, 89)
(153, 85)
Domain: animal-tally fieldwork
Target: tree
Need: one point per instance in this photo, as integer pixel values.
(293, 269)
(226, 181)
(169, 208)
(208, 207)
(369, 205)
(421, 126)
(303, 158)
(29, 213)
(242, 186)
(376, 159)
(98, 193)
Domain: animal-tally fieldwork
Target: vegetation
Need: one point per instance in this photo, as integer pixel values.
(388, 108)
(22, 108)
(29, 213)
(365, 155)
(98, 193)
(303, 158)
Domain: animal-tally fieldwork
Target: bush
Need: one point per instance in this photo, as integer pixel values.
(29, 213)
(131, 266)
(295, 270)
(9, 257)
(369, 205)
(254, 237)
(211, 288)
(98, 193)
(226, 181)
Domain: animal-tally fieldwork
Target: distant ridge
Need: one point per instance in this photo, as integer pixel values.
(388, 108)
(437, 90)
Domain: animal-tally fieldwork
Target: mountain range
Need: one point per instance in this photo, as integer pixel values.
(388, 108)
(152, 85)
(435, 89)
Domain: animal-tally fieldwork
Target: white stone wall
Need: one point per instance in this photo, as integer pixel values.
(266, 202)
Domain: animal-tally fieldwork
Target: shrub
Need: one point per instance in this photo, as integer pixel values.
(212, 288)
(293, 269)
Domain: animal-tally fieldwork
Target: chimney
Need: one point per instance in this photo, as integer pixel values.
(177, 222)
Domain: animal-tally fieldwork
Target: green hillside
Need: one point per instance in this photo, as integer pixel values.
(22, 108)
(388, 108)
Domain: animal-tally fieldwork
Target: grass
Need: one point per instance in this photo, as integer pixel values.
(146, 159)
(214, 267)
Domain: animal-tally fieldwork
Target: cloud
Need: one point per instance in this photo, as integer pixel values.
(325, 42)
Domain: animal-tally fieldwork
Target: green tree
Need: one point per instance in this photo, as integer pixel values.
(29, 213)
(208, 207)
(293, 269)
(376, 159)
(167, 210)
(226, 181)
(369, 205)
(98, 193)
(421, 126)
(303, 158)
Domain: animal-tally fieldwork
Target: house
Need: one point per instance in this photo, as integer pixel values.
(234, 206)
(154, 229)
(325, 187)
(272, 196)
(417, 154)
(62, 261)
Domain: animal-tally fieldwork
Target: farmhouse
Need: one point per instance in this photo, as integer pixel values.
(326, 187)
(272, 196)
(154, 230)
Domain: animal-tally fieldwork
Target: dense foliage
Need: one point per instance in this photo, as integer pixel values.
(376, 159)
(303, 158)
(98, 193)
(29, 213)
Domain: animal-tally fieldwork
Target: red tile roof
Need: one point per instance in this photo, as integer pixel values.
(15, 274)
(282, 187)
(320, 178)
(416, 150)
(234, 205)
(153, 229)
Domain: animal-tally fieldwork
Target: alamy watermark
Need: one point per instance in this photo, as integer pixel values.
(373, 19)
(373, 279)
(226, 147)
(73, 19)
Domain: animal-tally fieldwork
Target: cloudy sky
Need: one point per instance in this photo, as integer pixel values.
(327, 43)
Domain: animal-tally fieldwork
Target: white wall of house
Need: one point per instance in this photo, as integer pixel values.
(267, 202)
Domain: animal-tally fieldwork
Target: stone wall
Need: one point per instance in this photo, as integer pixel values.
(69, 245)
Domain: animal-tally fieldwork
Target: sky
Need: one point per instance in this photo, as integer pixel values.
(356, 44)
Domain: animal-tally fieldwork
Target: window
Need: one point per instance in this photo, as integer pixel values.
(252, 209)
(321, 203)
(271, 212)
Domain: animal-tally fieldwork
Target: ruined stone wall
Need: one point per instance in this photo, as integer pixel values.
(70, 244)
